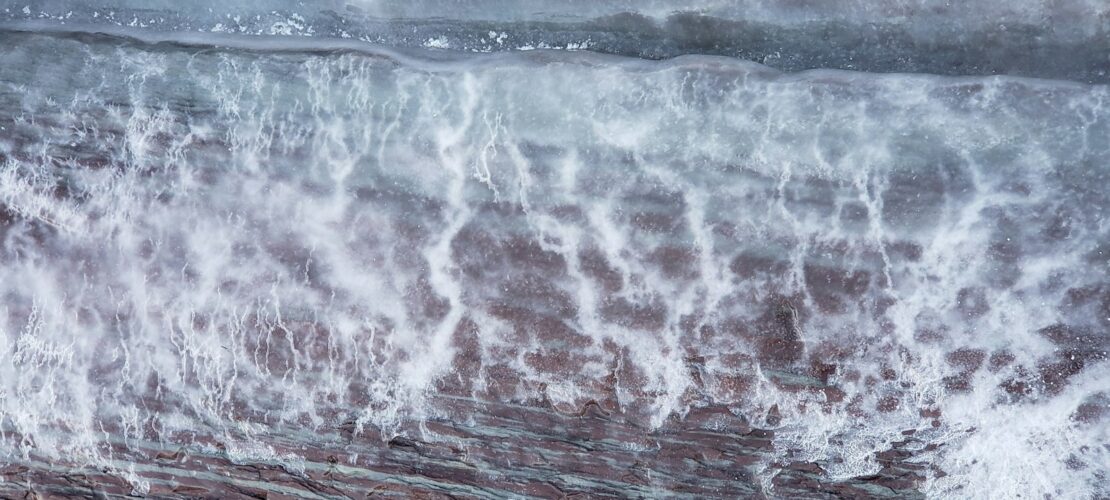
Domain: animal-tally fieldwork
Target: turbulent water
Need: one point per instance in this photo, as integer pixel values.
(220, 218)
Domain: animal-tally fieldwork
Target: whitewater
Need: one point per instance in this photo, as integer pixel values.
(228, 228)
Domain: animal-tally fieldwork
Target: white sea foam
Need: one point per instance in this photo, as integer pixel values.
(263, 239)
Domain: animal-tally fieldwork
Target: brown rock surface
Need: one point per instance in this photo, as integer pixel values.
(501, 451)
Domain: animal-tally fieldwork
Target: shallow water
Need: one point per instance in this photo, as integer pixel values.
(223, 233)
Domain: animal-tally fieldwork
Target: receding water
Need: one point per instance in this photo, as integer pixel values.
(224, 232)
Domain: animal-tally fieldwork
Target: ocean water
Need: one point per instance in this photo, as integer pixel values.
(884, 217)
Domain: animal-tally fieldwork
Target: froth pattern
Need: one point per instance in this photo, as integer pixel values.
(229, 240)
